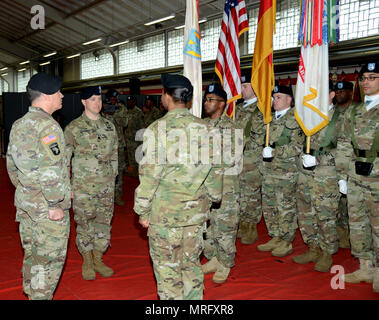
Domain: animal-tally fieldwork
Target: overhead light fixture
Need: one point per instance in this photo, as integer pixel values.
(25, 62)
(90, 42)
(160, 20)
(183, 26)
(73, 56)
(22, 70)
(119, 43)
(50, 54)
(45, 63)
(3, 69)
(4, 74)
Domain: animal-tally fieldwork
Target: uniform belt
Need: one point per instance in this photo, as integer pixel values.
(366, 153)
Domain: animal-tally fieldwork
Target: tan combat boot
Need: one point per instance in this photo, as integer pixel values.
(270, 245)
(118, 200)
(324, 262)
(375, 283)
(251, 233)
(284, 249)
(88, 272)
(241, 229)
(211, 266)
(364, 273)
(343, 237)
(221, 274)
(99, 265)
(311, 255)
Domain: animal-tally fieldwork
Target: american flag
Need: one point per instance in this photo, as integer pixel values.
(234, 23)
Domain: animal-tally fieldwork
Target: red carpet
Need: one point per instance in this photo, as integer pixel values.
(257, 275)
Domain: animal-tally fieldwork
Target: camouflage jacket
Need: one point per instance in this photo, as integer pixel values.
(232, 151)
(151, 116)
(286, 137)
(92, 144)
(365, 126)
(176, 188)
(37, 165)
(120, 121)
(135, 123)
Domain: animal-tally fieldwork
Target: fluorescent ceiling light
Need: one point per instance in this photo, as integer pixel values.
(73, 56)
(4, 74)
(183, 26)
(25, 62)
(118, 44)
(92, 41)
(22, 70)
(45, 63)
(160, 20)
(3, 69)
(50, 54)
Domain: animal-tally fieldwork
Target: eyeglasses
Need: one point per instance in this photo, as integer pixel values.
(210, 100)
(369, 78)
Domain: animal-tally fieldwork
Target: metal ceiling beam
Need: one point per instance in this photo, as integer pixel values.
(15, 49)
(61, 18)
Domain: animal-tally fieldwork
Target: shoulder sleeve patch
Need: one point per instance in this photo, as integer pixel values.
(50, 138)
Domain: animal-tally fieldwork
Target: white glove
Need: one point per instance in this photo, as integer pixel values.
(267, 152)
(309, 161)
(343, 186)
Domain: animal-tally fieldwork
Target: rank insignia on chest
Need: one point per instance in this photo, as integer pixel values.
(55, 148)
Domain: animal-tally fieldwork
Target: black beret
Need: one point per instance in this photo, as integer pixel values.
(216, 89)
(370, 67)
(246, 76)
(90, 91)
(344, 85)
(111, 93)
(172, 81)
(283, 89)
(149, 98)
(331, 86)
(45, 83)
(131, 98)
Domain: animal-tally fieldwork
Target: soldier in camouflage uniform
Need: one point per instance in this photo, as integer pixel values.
(150, 112)
(318, 194)
(250, 119)
(220, 246)
(38, 169)
(135, 123)
(176, 192)
(92, 141)
(119, 118)
(358, 169)
(344, 100)
(280, 175)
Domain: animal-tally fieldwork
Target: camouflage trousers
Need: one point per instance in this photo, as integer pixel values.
(317, 201)
(222, 232)
(279, 204)
(121, 168)
(93, 214)
(251, 193)
(132, 146)
(45, 247)
(342, 215)
(175, 254)
(363, 204)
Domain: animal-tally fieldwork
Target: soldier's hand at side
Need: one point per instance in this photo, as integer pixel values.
(144, 223)
(56, 214)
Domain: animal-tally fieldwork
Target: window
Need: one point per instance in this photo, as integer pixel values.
(98, 63)
(210, 33)
(23, 78)
(144, 54)
(358, 18)
(4, 87)
(175, 45)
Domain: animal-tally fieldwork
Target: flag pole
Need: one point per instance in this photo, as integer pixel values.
(308, 144)
(267, 133)
(234, 110)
